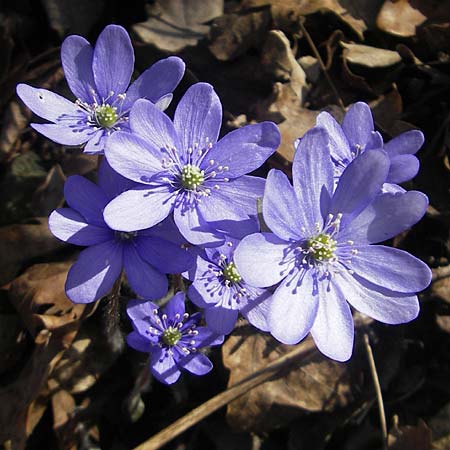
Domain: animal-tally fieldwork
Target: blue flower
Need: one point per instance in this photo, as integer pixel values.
(182, 168)
(320, 248)
(357, 135)
(99, 79)
(172, 337)
(145, 255)
(219, 288)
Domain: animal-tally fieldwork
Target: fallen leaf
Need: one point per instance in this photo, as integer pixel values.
(233, 34)
(371, 57)
(50, 194)
(23, 242)
(14, 122)
(318, 384)
(175, 24)
(409, 437)
(400, 17)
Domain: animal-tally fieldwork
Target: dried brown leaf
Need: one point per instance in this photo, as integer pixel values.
(370, 57)
(21, 243)
(319, 384)
(233, 34)
(175, 24)
(409, 437)
(50, 194)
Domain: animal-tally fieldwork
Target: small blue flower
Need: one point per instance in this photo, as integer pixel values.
(320, 248)
(183, 168)
(357, 135)
(99, 78)
(145, 255)
(219, 288)
(172, 337)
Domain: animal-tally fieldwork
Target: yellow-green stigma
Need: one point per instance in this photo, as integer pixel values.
(231, 274)
(322, 247)
(171, 336)
(192, 177)
(106, 116)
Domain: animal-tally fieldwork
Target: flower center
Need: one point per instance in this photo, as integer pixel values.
(126, 235)
(322, 247)
(231, 274)
(192, 177)
(171, 336)
(106, 116)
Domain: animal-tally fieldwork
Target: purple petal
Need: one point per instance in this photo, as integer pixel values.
(339, 147)
(220, 319)
(62, 134)
(154, 127)
(175, 306)
(157, 81)
(312, 174)
(97, 143)
(403, 168)
(144, 279)
(257, 309)
(390, 268)
(94, 273)
(136, 341)
(198, 117)
(197, 364)
(281, 210)
(293, 308)
(70, 226)
(205, 337)
(113, 62)
(167, 256)
(333, 330)
(382, 305)
(139, 208)
(112, 183)
(405, 144)
(387, 216)
(133, 157)
(48, 105)
(260, 257)
(375, 141)
(163, 367)
(245, 149)
(142, 315)
(232, 209)
(358, 125)
(86, 198)
(76, 58)
(195, 229)
(360, 182)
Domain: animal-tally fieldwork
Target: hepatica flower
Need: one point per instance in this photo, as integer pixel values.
(320, 248)
(172, 337)
(357, 135)
(145, 255)
(99, 78)
(220, 289)
(183, 168)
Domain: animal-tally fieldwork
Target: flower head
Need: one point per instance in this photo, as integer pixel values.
(220, 289)
(99, 78)
(145, 255)
(357, 135)
(172, 337)
(320, 249)
(183, 168)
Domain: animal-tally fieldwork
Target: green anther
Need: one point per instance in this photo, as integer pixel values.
(106, 116)
(231, 274)
(322, 247)
(171, 336)
(192, 177)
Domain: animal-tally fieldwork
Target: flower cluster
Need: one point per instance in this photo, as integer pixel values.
(173, 198)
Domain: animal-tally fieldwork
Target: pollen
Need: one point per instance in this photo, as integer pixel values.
(322, 247)
(231, 274)
(171, 336)
(106, 116)
(192, 177)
